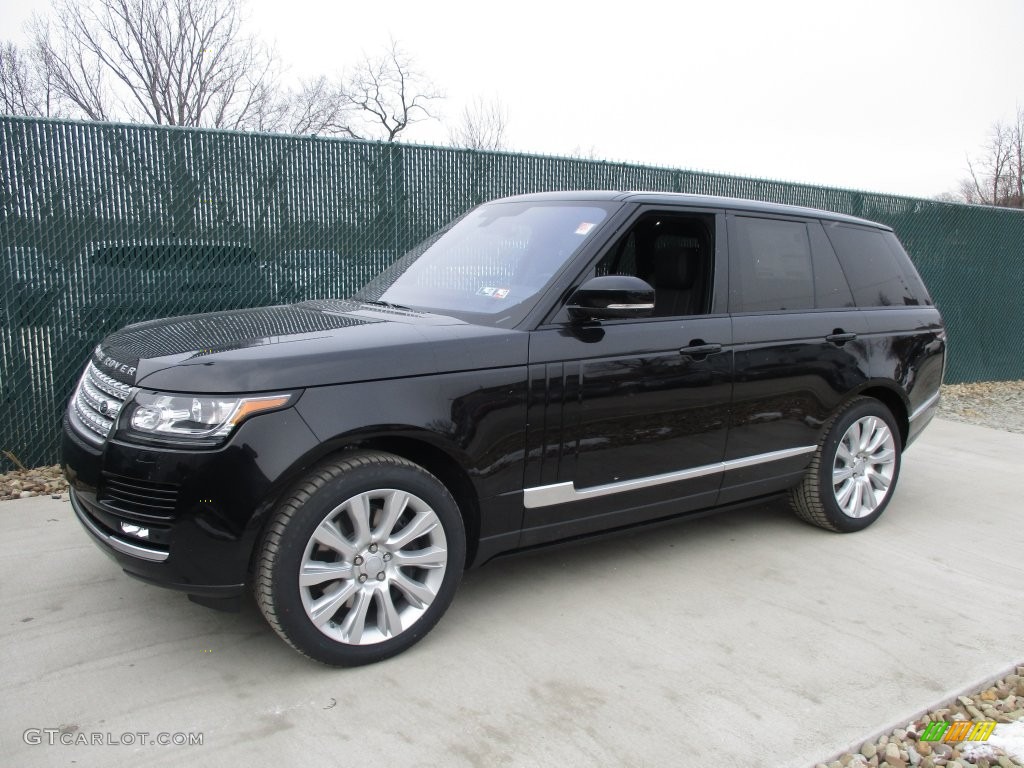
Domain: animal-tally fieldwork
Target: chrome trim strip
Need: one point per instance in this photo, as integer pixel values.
(113, 542)
(630, 306)
(925, 405)
(562, 493)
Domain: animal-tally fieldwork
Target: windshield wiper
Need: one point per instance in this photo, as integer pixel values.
(387, 304)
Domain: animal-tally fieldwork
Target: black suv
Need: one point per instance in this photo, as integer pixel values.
(546, 367)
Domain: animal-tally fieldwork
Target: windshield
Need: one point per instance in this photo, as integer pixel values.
(492, 265)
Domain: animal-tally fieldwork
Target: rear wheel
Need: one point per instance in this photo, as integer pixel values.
(361, 559)
(854, 471)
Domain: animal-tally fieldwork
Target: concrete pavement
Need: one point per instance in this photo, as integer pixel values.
(745, 639)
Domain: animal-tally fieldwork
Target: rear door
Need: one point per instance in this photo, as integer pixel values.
(798, 348)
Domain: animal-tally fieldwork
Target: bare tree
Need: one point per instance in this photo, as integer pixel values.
(190, 63)
(16, 97)
(318, 106)
(24, 87)
(387, 96)
(590, 153)
(482, 125)
(171, 62)
(1017, 158)
(997, 174)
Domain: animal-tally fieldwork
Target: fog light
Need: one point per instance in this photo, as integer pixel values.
(135, 530)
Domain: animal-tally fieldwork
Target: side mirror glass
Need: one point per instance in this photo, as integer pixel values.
(612, 296)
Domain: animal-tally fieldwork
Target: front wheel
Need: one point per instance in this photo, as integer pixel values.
(854, 471)
(361, 559)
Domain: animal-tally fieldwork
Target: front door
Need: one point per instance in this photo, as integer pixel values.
(628, 419)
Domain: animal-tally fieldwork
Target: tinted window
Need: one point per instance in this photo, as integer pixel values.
(772, 266)
(672, 253)
(831, 291)
(874, 271)
(909, 271)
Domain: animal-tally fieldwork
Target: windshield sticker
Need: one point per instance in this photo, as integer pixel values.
(494, 293)
(584, 228)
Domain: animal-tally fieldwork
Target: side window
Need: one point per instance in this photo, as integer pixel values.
(874, 271)
(771, 266)
(831, 291)
(914, 281)
(674, 253)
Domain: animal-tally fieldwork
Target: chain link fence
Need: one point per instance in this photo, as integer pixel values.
(102, 225)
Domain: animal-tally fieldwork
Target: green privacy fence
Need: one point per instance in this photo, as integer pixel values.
(102, 225)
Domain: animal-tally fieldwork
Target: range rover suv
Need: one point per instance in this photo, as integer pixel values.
(546, 367)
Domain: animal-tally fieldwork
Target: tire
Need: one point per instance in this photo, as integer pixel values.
(854, 471)
(380, 547)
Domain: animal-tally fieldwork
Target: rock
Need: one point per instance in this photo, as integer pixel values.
(928, 762)
(975, 713)
(989, 695)
(868, 750)
(923, 748)
(25, 494)
(1005, 762)
(899, 734)
(941, 749)
(892, 752)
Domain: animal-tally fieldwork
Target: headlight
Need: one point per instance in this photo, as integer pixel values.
(195, 416)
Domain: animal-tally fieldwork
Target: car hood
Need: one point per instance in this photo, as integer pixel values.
(300, 345)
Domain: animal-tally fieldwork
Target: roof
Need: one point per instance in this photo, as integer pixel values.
(697, 201)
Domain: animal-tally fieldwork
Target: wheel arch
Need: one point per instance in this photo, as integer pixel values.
(419, 447)
(446, 468)
(895, 402)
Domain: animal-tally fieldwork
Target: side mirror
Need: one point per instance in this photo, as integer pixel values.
(612, 296)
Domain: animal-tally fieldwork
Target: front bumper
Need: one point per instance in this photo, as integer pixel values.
(185, 519)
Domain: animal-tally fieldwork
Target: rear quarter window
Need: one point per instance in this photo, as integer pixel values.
(877, 268)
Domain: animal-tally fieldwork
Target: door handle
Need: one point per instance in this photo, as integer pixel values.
(840, 337)
(698, 350)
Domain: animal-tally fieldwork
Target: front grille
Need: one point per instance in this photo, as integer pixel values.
(139, 500)
(96, 404)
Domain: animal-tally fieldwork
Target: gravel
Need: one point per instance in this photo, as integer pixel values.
(41, 481)
(996, 404)
(1002, 702)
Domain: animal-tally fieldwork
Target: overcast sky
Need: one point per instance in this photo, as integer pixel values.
(879, 95)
